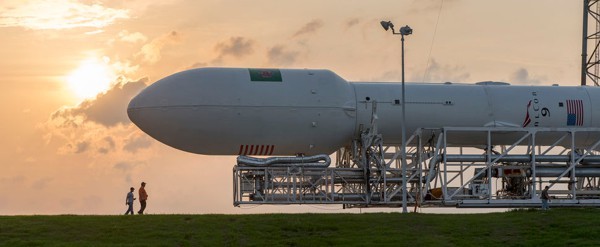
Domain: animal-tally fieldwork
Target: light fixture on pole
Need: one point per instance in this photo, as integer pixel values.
(406, 30)
(387, 24)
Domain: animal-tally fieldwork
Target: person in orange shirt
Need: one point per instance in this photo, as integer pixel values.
(143, 198)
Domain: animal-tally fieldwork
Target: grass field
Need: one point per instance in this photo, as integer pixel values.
(557, 227)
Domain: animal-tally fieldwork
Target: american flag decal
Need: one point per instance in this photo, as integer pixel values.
(575, 112)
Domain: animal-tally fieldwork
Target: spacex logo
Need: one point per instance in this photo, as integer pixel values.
(527, 117)
(535, 112)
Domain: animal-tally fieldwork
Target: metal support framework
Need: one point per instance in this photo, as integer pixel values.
(437, 173)
(590, 65)
(369, 174)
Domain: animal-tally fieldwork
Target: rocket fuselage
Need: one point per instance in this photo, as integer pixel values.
(235, 111)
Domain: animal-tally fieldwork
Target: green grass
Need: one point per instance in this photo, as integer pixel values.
(557, 227)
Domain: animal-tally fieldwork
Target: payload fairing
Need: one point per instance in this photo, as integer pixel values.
(237, 111)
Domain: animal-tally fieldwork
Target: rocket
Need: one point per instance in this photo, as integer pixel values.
(266, 112)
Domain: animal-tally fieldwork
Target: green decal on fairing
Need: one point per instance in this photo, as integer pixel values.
(265, 75)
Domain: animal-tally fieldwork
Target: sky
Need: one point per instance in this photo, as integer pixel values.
(68, 69)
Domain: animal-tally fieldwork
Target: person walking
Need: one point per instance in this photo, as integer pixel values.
(143, 198)
(545, 197)
(129, 201)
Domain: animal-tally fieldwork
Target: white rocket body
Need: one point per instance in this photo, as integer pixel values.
(236, 111)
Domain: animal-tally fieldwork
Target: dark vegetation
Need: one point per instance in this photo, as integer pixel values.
(557, 227)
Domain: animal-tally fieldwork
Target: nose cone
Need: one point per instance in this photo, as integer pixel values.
(228, 111)
(153, 108)
(142, 107)
(133, 109)
(178, 110)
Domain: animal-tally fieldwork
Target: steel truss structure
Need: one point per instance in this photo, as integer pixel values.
(590, 67)
(439, 174)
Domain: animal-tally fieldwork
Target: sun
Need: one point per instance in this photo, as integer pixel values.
(90, 78)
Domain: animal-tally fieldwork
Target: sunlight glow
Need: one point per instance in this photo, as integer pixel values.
(58, 14)
(91, 78)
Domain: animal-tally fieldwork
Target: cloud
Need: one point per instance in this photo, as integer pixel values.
(41, 183)
(57, 14)
(236, 47)
(198, 65)
(126, 36)
(151, 52)
(107, 145)
(124, 68)
(423, 6)
(14, 180)
(94, 32)
(76, 146)
(107, 109)
(311, 27)
(81, 147)
(136, 142)
(437, 72)
(124, 166)
(99, 128)
(280, 55)
(522, 76)
(351, 22)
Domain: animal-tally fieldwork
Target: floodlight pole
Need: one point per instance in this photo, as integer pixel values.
(404, 197)
(406, 30)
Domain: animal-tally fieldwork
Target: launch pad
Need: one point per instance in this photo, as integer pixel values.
(439, 172)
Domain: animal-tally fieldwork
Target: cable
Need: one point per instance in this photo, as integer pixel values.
(432, 41)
